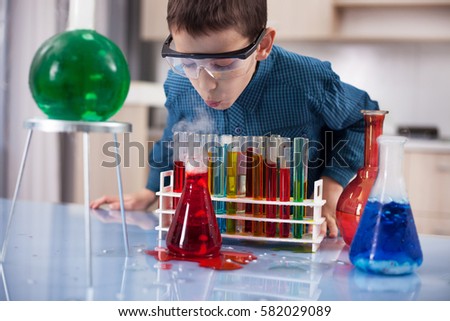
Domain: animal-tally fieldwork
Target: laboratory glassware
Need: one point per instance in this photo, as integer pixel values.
(354, 197)
(386, 240)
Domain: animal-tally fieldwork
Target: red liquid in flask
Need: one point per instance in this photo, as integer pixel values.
(194, 231)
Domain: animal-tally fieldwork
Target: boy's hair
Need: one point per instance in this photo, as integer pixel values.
(199, 17)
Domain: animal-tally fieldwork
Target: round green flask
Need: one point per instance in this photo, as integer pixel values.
(79, 75)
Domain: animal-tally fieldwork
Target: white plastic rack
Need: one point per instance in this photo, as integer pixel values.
(314, 238)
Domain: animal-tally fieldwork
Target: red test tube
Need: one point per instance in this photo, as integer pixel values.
(179, 158)
(271, 175)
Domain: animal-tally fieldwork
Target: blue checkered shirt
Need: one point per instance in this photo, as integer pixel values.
(290, 95)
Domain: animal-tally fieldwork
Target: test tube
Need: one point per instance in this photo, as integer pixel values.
(258, 178)
(271, 175)
(285, 184)
(241, 168)
(212, 154)
(179, 157)
(233, 151)
(241, 181)
(196, 156)
(300, 181)
(219, 180)
(247, 150)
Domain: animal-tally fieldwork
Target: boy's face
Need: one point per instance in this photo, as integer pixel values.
(217, 93)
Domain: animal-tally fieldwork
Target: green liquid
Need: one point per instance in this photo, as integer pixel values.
(300, 182)
(79, 75)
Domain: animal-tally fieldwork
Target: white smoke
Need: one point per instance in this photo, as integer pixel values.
(201, 124)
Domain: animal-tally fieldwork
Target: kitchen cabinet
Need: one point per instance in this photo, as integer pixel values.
(153, 20)
(306, 19)
(335, 20)
(392, 3)
(396, 20)
(427, 176)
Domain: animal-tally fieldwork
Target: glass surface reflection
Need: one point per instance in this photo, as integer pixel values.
(4, 295)
(384, 287)
(46, 261)
(146, 221)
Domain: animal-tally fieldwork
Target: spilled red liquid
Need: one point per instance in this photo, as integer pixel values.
(226, 260)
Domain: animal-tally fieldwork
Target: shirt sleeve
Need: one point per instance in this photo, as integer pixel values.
(344, 143)
(160, 160)
(161, 155)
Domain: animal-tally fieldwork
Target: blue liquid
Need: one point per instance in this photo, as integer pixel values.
(219, 208)
(219, 187)
(386, 241)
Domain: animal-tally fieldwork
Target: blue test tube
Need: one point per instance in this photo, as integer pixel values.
(216, 176)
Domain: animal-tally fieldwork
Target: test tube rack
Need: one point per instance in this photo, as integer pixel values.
(315, 220)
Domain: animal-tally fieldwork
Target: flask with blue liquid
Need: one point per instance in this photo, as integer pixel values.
(386, 241)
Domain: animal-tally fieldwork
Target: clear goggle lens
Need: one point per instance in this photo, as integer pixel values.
(223, 68)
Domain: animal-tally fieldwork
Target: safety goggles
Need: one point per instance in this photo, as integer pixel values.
(225, 65)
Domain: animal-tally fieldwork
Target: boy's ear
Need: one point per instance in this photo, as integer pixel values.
(266, 44)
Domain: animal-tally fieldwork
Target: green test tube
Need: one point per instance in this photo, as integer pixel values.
(299, 182)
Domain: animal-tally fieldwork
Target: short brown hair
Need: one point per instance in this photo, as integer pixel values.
(198, 17)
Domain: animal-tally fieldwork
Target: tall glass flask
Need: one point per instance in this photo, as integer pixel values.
(194, 231)
(386, 241)
(354, 197)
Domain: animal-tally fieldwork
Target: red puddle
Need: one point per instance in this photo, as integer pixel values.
(226, 260)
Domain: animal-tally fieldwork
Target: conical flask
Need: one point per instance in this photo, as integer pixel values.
(194, 232)
(354, 197)
(386, 241)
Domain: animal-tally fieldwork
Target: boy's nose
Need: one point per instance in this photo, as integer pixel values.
(206, 80)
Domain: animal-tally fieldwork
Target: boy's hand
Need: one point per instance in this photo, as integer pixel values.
(139, 201)
(331, 192)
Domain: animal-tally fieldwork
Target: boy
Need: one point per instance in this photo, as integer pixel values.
(225, 66)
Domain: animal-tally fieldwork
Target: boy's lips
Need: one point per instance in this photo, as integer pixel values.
(212, 103)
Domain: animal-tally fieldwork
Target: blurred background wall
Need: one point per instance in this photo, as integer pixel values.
(398, 51)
